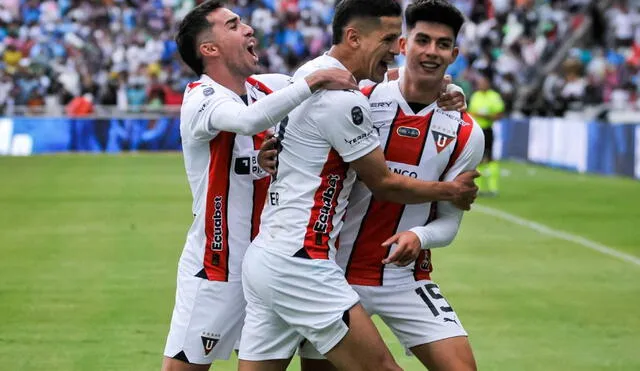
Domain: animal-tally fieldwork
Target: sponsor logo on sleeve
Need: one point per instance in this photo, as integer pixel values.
(208, 91)
(359, 138)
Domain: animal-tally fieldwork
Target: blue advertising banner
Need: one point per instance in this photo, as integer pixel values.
(26, 135)
(596, 147)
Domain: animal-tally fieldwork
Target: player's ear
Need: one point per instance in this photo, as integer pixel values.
(208, 49)
(456, 50)
(352, 37)
(403, 45)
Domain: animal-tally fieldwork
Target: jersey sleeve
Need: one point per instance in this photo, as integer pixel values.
(213, 111)
(444, 228)
(344, 120)
(275, 81)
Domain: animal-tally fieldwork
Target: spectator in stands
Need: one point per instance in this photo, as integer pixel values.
(486, 107)
(83, 43)
(6, 89)
(572, 93)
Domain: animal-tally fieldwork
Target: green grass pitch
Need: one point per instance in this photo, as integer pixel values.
(89, 247)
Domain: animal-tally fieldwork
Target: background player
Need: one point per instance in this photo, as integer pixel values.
(486, 106)
(223, 176)
(418, 138)
(293, 287)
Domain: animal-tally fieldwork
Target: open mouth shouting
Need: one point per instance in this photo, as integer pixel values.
(251, 48)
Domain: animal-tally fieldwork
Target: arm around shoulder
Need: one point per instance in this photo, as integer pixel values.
(220, 112)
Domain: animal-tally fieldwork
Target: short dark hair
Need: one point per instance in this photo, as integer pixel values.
(347, 10)
(190, 27)
(436, 11)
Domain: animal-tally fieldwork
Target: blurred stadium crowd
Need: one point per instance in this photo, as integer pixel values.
(76, 54)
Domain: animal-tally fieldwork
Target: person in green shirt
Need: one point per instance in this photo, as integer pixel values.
(486, 106)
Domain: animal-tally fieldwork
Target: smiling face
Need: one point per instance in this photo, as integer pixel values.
(230, 40)
(378, 48)
(430, 49)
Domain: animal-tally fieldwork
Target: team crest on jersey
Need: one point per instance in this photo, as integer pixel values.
(209, 341)
(442, 140)
(208, 91)
(356, 115)
(442, 137)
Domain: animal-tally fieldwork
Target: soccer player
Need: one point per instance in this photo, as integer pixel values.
(486, 106)
(293, 287)
(392, 274)
(226, 183)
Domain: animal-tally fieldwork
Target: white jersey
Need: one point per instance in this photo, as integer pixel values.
(429, 145)
(227, 185)
(307, 200)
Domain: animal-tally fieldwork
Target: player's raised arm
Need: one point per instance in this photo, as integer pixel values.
(222, 113)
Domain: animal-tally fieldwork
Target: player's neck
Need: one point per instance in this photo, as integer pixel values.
(224, 77)
(346, 57)
(414, 91)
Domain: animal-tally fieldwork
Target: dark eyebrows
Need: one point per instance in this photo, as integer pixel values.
(440, 39)
(235, 19)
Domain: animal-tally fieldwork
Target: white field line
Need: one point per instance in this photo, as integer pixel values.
(606, 250)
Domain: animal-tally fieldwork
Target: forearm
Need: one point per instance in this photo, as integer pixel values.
(406, 190)
(263, 114)
(441, 231)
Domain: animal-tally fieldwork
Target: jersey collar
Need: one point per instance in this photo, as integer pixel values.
(402, 102)
(206, 79)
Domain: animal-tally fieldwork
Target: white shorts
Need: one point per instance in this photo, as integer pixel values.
(290, 299)
(207, 320)
(417, 313)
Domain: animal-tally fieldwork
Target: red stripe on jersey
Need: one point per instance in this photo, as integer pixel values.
(423, 266)
(325, 200)
(216, 225)
(407, 137)
(382, 218)
(192, 85)
(259, 85)
(379, 223)
(260, 188)
(368, 90)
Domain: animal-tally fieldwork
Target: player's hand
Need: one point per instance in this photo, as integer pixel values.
(407, 250)
(268, 153)
(332, 79)
(451, 96)
(466, 190)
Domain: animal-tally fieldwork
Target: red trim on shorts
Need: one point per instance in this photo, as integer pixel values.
(423, 265)
(382, 218)
(325, 200)
(216, 226)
